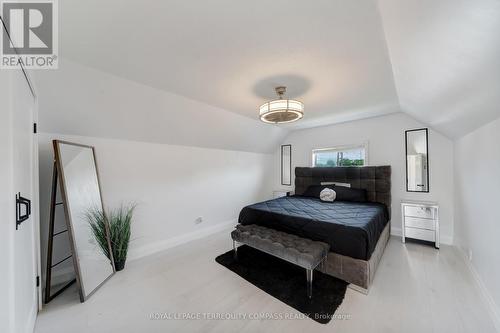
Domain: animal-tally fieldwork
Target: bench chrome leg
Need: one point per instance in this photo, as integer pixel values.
(309, 273)
(322, 265)
(235, 249)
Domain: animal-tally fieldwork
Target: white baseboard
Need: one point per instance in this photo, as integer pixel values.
(493, 308)
(178, 240)
(443, 239)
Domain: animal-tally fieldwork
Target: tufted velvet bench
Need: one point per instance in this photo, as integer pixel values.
(299, 251)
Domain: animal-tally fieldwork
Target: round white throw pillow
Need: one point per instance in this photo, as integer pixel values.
(327, 194)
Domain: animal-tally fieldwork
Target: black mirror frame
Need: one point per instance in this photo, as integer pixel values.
(290, 166)
(406, 158)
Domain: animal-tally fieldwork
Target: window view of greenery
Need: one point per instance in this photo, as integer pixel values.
(332, 158)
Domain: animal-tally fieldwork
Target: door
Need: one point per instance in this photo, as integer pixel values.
(18, 297)
(25, 270)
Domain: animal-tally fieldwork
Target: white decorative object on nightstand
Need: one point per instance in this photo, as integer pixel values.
(420, 220)
(279, 194)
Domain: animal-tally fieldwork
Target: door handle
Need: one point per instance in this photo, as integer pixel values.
(20, 202)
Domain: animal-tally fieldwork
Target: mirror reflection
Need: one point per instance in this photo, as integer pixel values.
(417, 161)
(63, 271)
(81, 187)
(286, 165)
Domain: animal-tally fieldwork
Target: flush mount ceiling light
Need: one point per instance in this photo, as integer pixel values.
(281, 110)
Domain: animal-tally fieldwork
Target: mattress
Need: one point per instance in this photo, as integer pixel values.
(351, 228)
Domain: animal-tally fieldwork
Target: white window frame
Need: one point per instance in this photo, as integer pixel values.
(364, 145)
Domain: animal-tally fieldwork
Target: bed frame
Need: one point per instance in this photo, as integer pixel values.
(376, 180)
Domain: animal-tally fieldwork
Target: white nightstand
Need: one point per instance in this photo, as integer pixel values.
(420, 220)
(281, 193)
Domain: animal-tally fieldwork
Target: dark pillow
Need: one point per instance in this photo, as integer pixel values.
(350, 194)
(315, 190)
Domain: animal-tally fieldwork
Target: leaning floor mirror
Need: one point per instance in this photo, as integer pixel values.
(76, 171)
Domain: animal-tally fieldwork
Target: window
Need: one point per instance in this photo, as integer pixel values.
(340, 156)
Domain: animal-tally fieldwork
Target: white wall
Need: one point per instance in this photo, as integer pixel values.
(386, 146)
(78, 100)
(172, 185)
(477, 198)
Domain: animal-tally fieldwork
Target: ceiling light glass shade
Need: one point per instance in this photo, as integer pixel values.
(281, 111)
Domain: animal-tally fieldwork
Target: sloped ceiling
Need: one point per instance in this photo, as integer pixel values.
(202, 68)
(446, 60)
(80, 100)
(331, 54)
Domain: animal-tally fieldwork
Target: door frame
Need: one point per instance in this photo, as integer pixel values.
(37, 255)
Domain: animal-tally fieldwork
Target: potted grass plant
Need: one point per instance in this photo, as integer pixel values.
(119, 222)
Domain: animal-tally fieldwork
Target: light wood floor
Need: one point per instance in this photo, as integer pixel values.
(416, 289)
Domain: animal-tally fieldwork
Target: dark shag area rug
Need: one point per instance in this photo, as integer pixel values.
(287, 282)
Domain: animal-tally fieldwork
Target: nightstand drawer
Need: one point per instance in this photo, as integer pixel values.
(427, 235)
(422, 212)
(417, 222)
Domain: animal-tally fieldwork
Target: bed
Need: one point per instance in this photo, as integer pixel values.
(357, 232)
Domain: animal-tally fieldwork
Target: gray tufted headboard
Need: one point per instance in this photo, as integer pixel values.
(375, 179)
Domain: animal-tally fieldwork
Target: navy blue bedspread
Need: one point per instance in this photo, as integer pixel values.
(351, 228)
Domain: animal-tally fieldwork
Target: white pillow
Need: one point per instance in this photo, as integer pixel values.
(327, 194)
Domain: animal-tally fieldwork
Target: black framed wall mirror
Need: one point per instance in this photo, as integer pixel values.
(286, 165)
(417, 160)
